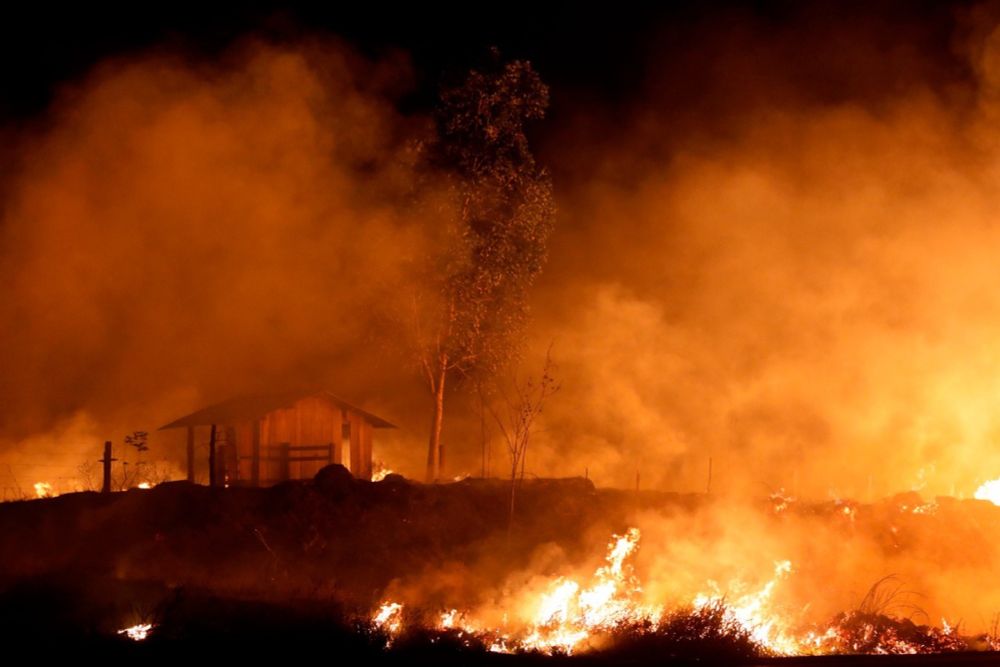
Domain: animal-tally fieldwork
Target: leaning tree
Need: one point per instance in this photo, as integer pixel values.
(504, 213)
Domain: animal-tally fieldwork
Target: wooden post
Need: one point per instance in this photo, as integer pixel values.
(345, 444)
(211, 458)
(284, 464)
(366, 449)
(190, 453)
(106, 486)
(231, 459)
(255, 453)
(357, 464)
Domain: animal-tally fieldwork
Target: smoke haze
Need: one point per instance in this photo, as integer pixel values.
(783, 265)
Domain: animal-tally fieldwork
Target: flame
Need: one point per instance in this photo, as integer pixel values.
(137, 632)
(989, 491)
(380, 474)
(448, 619)
(389, 618)
(753, 612)
(43, 490)
(572, 616)
(569, 614)
(565, 616)
(144, 485)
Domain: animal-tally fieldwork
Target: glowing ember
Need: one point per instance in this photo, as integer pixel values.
(989, 491)
(137, 632)
(43, 490)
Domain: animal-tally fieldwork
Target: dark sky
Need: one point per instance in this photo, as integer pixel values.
(600, 51)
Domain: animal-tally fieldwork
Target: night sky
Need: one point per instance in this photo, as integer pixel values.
(611, 52)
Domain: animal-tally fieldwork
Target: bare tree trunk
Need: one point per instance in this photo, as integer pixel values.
(513, 493)
(435, 452)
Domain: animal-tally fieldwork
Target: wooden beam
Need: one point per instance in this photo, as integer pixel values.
(343, 432)
(366, 449)
(255, 453)
(357, 460)
(212, 470)
(284, 469)
(190, 453)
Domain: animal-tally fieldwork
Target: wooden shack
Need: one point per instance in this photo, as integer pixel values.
(263, 440)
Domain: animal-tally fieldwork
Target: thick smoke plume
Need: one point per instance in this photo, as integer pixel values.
(800, 289)
(782, 266)
(177, 232)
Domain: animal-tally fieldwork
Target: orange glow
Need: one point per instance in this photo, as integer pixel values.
(989, 491)
(571, 616)
(43, 490)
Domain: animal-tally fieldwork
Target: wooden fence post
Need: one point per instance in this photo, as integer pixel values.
(106, 486)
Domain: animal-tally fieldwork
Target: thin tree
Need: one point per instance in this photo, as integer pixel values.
(521, 404)
(497, 247)
(139, 440)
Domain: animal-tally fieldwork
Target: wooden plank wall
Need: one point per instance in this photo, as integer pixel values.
(310, 422)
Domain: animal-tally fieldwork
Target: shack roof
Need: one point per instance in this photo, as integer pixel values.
(249, 408)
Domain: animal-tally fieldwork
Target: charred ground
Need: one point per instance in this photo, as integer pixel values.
(306, 561)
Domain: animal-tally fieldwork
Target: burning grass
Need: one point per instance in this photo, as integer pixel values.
(394, 568)
(607, 616)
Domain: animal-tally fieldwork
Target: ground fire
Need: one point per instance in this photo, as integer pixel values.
(567, 618)
(589, 571)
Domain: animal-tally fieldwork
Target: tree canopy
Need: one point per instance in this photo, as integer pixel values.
(505, 216)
